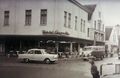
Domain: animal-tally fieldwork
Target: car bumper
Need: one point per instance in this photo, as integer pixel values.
(55, 59)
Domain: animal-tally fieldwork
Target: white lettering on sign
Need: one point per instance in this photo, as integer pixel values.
(54, 33)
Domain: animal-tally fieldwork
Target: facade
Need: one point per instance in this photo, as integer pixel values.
(112, 38)
(96, 24)
(59, 24)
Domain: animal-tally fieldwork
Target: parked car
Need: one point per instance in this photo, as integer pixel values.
(38, 55)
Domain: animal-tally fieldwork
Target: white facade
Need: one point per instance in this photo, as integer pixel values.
(55, 17)
(113, 41)
(97, 25)
(17, 30)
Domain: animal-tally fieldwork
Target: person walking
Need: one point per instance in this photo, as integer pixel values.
(94, 71)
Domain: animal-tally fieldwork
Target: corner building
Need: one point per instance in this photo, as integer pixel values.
(48, 24)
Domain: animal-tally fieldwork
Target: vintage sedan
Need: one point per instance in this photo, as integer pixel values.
(38, 55)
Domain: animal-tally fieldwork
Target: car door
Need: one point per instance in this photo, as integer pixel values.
(30, 55)
(38, 55)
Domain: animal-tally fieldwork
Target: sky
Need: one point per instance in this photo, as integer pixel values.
(110, 10)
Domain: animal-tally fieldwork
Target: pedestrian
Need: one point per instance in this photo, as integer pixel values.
(94, 71)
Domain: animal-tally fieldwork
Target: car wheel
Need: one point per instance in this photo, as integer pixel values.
(47, 61)
(26, 60)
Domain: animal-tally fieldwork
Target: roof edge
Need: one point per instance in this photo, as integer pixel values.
(79, 5)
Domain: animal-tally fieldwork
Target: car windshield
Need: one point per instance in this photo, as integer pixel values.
(86, 48)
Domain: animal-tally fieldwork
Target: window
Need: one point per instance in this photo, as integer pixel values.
(99, 25)
(65, 18)
(75, 22)
(69, 20)
(37, 52)
(95, 25)
(43, 19)
(99, 13)
(28, 15)
(81, 25)
(6, 18)
(103, 28)
(31, 52)
(84, 26)
(88, 32)
(102, 37)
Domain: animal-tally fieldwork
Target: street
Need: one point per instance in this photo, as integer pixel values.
(62, 69)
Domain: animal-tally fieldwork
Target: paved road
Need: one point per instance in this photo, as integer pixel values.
(63, 69)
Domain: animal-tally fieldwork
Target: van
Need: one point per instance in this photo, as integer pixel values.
(93, 52)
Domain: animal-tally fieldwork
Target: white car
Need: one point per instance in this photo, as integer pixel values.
(38, 55)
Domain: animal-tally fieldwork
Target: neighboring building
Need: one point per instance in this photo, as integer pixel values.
(112, 38)
(59, 24)
(96, 24)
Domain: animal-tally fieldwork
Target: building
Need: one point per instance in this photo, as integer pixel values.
(96, 24)
(112, 38)
(59, 24)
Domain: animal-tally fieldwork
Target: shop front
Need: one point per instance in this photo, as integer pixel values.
(52, 43)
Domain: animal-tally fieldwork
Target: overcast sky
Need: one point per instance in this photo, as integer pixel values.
(110, 10)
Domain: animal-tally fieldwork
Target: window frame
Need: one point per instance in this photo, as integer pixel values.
(76, 18)
(28, 17)
(43, 17)
(6, 18)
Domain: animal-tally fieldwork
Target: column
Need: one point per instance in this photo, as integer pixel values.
(71, 47)
(78, 47)
(57, 46)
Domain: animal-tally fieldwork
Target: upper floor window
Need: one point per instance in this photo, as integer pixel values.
(43, 19)
(6, 18)
(84, 26)
(28, 15)
(81, 28)
(75, 22)
(69, 20)
(103, 28)
(99, 13)
(99, 25)
(65, 18)
(88, 32)
(95, 25)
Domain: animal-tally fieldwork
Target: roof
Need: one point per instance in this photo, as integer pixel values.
(36, 49)
(108, 32)
(90, 9)
(79, 5)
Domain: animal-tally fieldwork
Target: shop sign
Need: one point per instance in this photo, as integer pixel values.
(54, 33)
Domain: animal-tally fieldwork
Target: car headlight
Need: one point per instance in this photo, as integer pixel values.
(55, 57)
